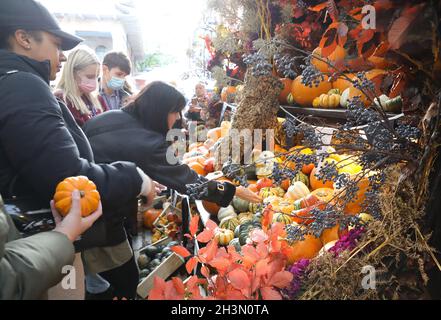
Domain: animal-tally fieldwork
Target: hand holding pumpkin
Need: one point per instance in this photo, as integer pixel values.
(247, 194)
(73, 224)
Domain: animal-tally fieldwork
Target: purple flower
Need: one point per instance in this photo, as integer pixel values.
(298, 271)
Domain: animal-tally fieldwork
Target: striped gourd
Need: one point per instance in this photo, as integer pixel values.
(244, 217)
(300, 176)
(297, 191)
(277, 191)
(283, 218)
(229, 223)
(254, 207)
(224, 236)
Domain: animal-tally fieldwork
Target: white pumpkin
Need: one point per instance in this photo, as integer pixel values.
(297, 191)
(227, 212)
(265, 164)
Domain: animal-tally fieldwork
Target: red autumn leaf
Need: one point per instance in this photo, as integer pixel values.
(399, 29)
(211, 225)
(356, 13)
(157, 293)
(267, 218)
(258, 235)
(262, 268)
(383, 4)
(194, 224)
(232, 294)
(191, 264)
(319, 7)
(220, 264)
(270, 294)
(275, 266)
(205, 236)
(211, 251)
(239, 279)
(170, 292)
(250, 255)
(281, 279)
(179, 285)
(256, 283)
(205, 272)
(262, 250)
(381, 49)
(180, 250)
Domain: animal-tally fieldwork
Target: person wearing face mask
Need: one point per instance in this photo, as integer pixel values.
(113, 91)
(77, 84)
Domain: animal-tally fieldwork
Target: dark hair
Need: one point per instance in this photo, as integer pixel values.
(117, 60)
(153, 104)
(6, 33)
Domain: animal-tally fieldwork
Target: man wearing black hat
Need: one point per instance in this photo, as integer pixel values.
(40, 143)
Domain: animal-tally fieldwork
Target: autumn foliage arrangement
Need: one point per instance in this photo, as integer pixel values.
(257, 272)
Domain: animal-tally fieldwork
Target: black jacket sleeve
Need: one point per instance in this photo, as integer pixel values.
(178, 176)
(41, 149)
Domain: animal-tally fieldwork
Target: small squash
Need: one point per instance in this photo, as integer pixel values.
(327, 101)
(240, 205)
(227, 212)
(283, 218)
(300, 176)
(224, 236)
(90, 197)
(149, 216)
(229, 223)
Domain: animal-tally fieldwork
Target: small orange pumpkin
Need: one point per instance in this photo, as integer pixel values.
(90, 197)
(150, 216)
(198, 167)
(315, 183)
(304, 95)
(304, 249)
(338, 54)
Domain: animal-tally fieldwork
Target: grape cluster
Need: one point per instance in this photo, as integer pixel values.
(407, 131)
(291, 128)
(285, 64)
(259, 64)
(311, 76)
(362, 82)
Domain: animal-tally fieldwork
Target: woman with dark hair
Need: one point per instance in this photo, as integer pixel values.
(138, 133)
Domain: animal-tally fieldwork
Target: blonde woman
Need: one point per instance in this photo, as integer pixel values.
(78, 83)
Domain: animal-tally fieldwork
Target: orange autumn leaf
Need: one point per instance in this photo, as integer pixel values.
(262, 250)
(170, 292)
(319, 7)
(220, 264)
(281, 279)
(211, 225)
(269, 293)
(262, 267)
(191, 264)
(205, 236)
(179, 285)
(194, 224)
(157, 293)
(258, 236)
(180, 250)
(205, 272)
(239, 279)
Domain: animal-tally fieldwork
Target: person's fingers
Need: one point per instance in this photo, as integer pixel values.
(55, 214)
(89, 221)
(76, 204)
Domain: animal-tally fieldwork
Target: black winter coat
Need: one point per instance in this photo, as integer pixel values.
(118, 135)
(41, 144)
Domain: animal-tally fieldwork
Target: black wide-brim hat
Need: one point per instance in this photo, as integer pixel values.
(32, 16)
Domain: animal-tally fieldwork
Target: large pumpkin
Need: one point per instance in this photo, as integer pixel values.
(316, 183)
(90, 197)
(338, 54)
(341, 83)
(304, 95)
(287, 83)
(303, 249)
(331, 234)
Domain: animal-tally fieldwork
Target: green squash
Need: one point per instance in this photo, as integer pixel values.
(236, 244)
(300, 176)
(283, 218)
(251, 172)
(229, 223)
(240, 205)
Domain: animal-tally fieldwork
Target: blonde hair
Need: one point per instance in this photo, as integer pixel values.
(78, 60)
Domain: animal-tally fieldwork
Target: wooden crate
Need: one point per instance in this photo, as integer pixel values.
(164, 270)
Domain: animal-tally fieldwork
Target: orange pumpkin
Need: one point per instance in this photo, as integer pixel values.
(342, 83)
(338, 54)
(315, 183)
(90, 197)
(304, 95)
(287, 83)
(199, 168)
(285, 184)
(149, 216)
(304, 249)
(324, 194)
(211, 207)
(307, 168)
(331, 234)
(354, 207)
(226, 92)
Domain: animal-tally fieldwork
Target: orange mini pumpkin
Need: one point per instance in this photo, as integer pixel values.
(90, 197)
(149, 216)
(338, 54)
(316, 183)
